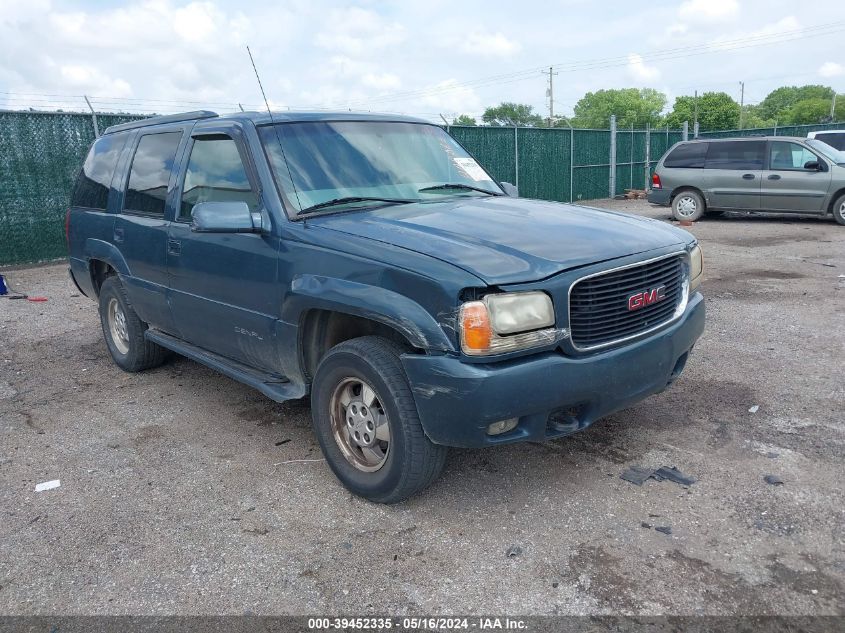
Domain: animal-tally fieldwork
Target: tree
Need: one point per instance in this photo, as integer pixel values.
(753, 118)
(464, 119)
(507, 114)
(807, 111)
(778, 102)
(630, 105)
(716, 111)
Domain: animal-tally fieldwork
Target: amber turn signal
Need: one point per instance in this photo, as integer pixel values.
(475, 326)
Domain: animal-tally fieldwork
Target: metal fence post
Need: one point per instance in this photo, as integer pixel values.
(631, 160)
(647, 154)
(93, 117)
(695, 129)
(612, 179)
(516, 156)
(685, 131)
(571, 163)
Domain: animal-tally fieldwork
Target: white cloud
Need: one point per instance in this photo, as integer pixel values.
(490, 44)
(355, 31)
(677, 29)
(381, 81)
(639, 70)
(448, 96)
(729, 41)
(708, 10)
(831, 69)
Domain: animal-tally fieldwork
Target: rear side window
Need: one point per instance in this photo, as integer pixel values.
(215, 174)
(736, 155)
(92, 185)
(836, 141)
(150, 173)
(689, 155)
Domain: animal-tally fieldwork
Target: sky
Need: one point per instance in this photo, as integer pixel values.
(418, 57)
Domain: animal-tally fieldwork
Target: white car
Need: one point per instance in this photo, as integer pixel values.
(834, 138)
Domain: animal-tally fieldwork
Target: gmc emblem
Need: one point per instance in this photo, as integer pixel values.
(643, 299)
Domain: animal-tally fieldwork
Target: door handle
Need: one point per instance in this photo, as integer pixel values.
(118, 235)
(174, 247)
(774, 177)
(748, 176)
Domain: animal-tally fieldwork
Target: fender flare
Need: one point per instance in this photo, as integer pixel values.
(106, 252)
(371, 302)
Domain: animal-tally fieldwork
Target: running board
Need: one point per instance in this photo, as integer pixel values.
(274, 386)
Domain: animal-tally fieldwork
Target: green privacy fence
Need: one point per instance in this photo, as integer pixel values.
(789, 130)
(40, 154)
(563, 164)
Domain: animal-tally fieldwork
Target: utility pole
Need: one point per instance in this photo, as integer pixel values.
(741, 102)
(833, 108)
(550, 93)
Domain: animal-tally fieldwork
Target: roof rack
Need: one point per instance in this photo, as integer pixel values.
(157, 120)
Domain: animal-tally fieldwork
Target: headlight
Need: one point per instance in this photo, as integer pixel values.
(506, 322)
(696, 268)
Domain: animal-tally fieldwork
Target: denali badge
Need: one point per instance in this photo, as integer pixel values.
(643, 299)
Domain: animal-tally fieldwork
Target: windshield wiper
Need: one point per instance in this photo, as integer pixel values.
(349, 199)
(459, 185)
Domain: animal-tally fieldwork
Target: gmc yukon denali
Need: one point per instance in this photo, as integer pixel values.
(371, 262)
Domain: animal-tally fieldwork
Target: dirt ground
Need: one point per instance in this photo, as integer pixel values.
(184, 492)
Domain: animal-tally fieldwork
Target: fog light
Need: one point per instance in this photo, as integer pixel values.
(502, 426)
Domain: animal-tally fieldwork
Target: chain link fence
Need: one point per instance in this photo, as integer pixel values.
(41, 153)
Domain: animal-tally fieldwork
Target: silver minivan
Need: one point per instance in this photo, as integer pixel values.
(769, 174)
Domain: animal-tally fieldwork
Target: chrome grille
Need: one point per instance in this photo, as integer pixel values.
(598, 305)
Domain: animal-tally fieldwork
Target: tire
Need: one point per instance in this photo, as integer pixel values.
(688, 205)
(124, 331)
(839, 210)
(397, 463)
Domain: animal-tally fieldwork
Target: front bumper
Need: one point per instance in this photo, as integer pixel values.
(552, 395)
(659, 196)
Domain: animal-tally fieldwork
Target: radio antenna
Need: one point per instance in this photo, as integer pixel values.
(275, 128)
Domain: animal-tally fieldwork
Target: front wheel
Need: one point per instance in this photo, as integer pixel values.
(366, 421)
(839, 210)
(688, 205)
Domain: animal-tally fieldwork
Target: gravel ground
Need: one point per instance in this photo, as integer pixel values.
(183, 492)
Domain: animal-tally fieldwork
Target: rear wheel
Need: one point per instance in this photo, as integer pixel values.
(124, 330)
(688, 205)
(366, 421)
(839, 209)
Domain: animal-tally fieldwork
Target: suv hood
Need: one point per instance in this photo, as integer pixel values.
(507, 240)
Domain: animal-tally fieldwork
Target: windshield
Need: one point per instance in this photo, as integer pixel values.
(827, 151)
(331, 160)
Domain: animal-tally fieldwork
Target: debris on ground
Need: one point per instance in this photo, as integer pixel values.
(4, 289)
(754, 409)
(638, 475)
(37, 299)
(773, 480)
(664, 529)
(513, 551)
(673, 474)
(48, 485)
(645, 525)
(635, 194)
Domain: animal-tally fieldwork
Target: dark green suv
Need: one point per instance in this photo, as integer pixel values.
(771, 174)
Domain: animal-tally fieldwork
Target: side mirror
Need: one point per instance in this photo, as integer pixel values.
(813, 165)
(223, 217)
(510, 189)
